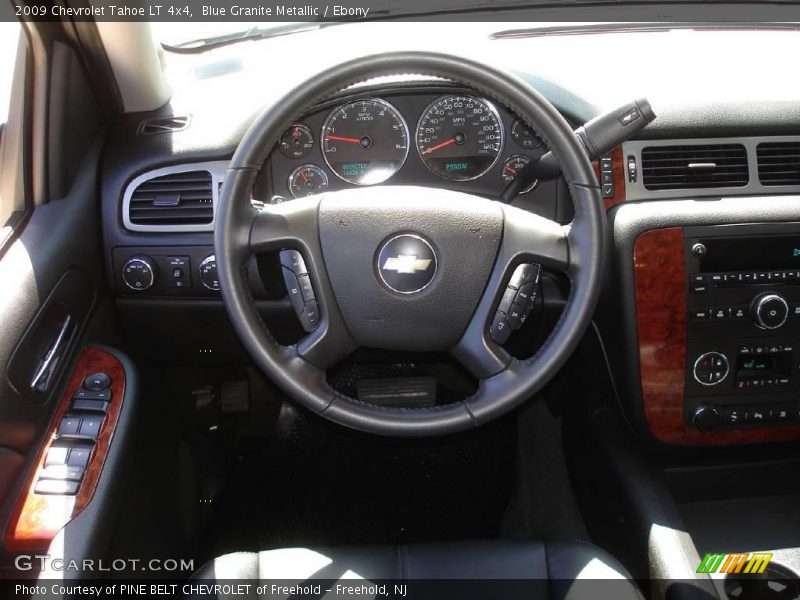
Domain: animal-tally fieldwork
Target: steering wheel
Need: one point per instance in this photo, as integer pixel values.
(446, 301)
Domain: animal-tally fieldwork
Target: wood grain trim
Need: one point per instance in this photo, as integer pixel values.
(37, 518)
(661, 319)
(619, 178)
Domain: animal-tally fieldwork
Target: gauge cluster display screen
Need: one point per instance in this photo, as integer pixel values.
(461, 141)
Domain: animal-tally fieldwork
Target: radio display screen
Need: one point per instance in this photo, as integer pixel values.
(751, 253)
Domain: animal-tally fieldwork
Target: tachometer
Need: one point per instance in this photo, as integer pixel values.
(460, 137)
(365, 142)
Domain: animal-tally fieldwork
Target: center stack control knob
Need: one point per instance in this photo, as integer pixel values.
(770, 310)
(139, 272)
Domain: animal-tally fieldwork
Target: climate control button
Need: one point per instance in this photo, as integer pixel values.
(711, 368)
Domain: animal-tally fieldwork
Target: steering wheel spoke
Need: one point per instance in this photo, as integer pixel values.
(530, 243)
(292, 228)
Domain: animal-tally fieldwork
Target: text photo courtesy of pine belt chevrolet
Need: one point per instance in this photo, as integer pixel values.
(398, 300)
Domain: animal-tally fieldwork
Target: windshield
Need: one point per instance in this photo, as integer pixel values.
(187, 35)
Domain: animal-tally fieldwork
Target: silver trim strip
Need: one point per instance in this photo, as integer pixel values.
(636, 190)
(217, 170)
(41, 379)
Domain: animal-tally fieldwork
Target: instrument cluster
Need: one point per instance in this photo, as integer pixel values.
(458, 140)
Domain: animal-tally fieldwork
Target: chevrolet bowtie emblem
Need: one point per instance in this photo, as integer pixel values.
(406, 263)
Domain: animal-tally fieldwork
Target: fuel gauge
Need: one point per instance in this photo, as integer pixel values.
(512, 166)
(307, 180)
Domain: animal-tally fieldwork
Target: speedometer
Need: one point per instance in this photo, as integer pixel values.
(460, 137)
(365, 142)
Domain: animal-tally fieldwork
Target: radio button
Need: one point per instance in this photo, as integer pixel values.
(717, 278)
(770, 311)
(698, 288)
(719, 312)
(698, 278)
(700, 314)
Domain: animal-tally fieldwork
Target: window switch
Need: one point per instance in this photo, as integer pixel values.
(90, 405)
(69, 425)
(57, 455)
(90, 426)
(56, 487)
(65, 472)
(79, 456)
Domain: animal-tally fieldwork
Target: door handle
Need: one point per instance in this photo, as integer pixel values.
(47, 367)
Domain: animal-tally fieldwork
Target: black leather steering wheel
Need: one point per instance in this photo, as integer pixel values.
(476, 244)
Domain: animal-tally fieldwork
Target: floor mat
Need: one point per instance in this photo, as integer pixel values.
(322, 484)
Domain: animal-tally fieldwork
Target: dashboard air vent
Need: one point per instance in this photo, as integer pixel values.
(779, 163)
(694, 166)
(164, 125)
(174, 199)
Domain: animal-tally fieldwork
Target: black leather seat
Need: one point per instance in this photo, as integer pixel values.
(498, 568)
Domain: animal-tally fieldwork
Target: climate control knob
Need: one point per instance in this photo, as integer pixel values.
(711, 368)
(770, 311)
(704, 417)
(139, 273)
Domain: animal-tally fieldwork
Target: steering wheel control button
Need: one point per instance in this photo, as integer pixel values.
(523, 274)
(84, 394)
(407, 263)
(516, 303)
(500, 329)
(300, 289)
(711, 368)
(770, 311)
(97, 381)
(306, 290)
(293, 260)
(309, 317)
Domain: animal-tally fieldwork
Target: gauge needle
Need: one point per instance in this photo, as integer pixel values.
(343, 139)
(437, 146)
(511, 170)
(304, 176)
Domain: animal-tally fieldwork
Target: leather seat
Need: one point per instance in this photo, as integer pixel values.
(487, 569)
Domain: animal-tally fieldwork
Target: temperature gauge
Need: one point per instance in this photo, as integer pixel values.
(296, 142)
(307, 181)
(512, 166)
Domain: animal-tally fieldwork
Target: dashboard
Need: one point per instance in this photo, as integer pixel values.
(437, 134)
(431, 137)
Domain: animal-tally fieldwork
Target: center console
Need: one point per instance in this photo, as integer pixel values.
(743, 329)
(703, 329)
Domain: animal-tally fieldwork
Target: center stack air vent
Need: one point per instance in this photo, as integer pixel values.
(175, 199)
(779, 163)
(694, 166)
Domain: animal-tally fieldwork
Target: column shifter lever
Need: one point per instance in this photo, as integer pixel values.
(599, 135)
